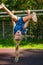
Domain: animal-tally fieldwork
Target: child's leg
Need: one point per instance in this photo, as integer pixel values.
(27, 18)
(9, 12)
(30, 16)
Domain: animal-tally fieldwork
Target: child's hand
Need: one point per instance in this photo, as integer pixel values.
(28, 11)
(13, 11)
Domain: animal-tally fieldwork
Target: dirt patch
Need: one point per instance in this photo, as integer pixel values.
(27, 57)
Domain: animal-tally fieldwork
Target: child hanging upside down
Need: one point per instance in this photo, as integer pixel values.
(20, 23)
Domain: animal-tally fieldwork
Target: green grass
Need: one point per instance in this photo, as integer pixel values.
(33, 46)
(30, 43)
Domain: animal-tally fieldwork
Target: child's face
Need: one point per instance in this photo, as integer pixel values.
(18, 35)
(18, 32)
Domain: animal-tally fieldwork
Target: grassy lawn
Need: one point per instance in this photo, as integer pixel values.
(30, 43)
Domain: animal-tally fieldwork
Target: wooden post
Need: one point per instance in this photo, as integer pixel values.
(3, 29)
(26, 34)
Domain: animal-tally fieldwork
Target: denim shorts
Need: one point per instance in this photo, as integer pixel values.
(19, 25)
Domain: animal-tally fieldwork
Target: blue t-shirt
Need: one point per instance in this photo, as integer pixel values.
(19, 25)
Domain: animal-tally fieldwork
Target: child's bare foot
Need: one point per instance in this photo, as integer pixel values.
(2, 6)
(34, 17)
